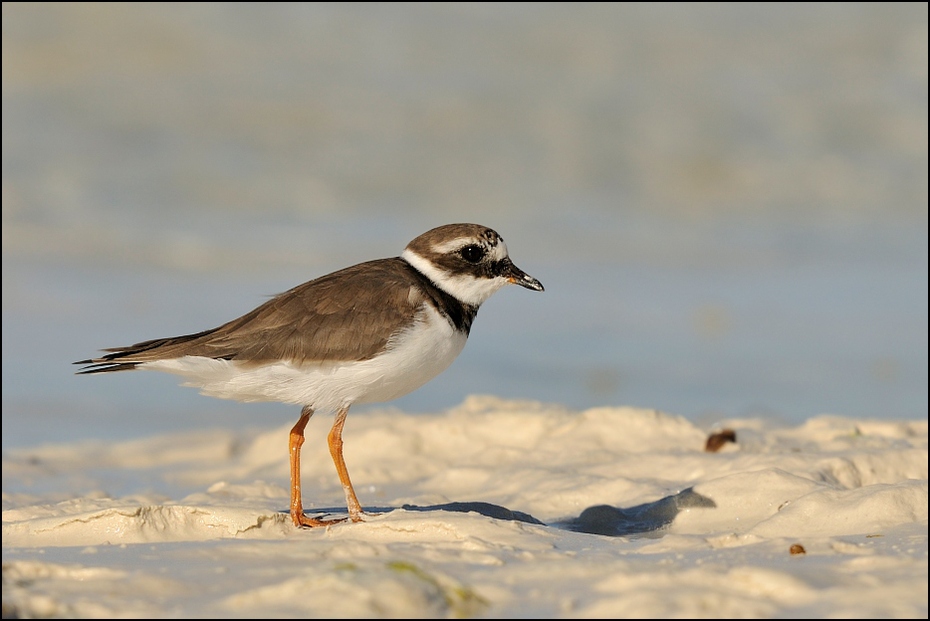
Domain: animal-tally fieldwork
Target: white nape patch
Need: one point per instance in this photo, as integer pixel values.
(463, 287)
(415, 356)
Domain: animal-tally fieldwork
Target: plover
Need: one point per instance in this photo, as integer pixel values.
(364, 334)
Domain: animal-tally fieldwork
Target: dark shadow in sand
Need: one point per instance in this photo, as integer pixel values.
(484, 508)
(646, 520)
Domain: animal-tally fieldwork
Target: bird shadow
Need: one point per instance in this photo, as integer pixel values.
(646, 520)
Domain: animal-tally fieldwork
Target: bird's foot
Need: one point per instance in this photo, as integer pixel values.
(302, 521)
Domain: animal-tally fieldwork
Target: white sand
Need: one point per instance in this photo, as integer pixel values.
(195, 525)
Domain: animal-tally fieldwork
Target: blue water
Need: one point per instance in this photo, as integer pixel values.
(727, 206)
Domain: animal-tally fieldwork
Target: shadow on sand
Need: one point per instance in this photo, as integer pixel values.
(646, 520)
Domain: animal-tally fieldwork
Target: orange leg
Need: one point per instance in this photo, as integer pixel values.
(335, 449)
(295, 441)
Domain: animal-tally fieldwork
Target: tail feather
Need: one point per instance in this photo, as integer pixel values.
(128, 358)
(102, 367)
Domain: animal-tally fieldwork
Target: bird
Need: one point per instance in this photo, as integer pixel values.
(368, 333)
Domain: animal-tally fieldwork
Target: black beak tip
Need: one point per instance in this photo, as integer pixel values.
(527, 281)
(516, 276)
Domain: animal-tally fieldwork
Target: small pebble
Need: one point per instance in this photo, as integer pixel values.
(715, 441)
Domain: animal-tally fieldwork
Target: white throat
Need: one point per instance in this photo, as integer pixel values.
(463, 287)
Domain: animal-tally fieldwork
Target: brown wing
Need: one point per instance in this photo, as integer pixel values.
(346, 315)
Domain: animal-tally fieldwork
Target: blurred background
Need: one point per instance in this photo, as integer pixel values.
(727, 204)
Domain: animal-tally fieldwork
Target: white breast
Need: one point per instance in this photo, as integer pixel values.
(414, 357)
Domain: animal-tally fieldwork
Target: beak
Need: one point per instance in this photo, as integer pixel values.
(516, 276)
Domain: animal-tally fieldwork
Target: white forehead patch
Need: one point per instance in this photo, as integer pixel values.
(499, 251)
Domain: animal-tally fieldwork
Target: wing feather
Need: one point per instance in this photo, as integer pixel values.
(350, 314)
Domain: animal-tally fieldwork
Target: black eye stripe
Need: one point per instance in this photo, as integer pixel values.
(472, 253)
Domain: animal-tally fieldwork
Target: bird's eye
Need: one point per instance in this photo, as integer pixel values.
(472, 253)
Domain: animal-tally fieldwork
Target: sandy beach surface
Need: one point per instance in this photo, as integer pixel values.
(494, 508)
(726, 203)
